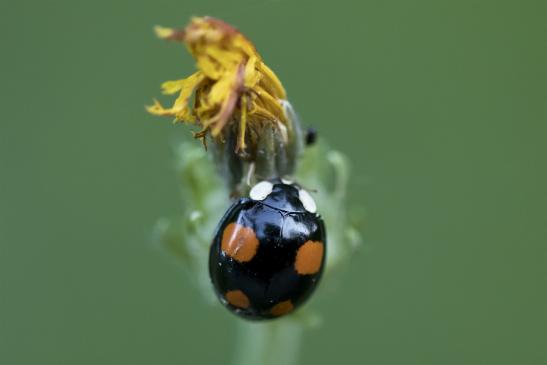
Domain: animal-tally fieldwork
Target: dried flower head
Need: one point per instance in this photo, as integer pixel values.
(234, 91)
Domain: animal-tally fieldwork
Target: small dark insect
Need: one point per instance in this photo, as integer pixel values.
(268, 252)
(311, 136)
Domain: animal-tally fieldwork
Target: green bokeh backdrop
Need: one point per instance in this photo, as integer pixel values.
(441, 105)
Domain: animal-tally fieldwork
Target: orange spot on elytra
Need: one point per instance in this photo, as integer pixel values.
(282, 308)
(237, 298)
(239, 242)
(309, 258)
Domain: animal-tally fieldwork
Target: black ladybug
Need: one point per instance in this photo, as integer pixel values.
(268, 252)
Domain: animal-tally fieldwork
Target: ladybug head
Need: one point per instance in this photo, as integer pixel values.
(284, 195)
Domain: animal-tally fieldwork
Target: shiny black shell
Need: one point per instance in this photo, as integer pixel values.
(269, 284)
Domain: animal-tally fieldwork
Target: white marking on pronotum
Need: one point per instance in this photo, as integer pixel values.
(261, 190)
(307, 201)
(286, 181)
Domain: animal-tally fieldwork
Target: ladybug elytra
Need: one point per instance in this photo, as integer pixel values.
(268, 252)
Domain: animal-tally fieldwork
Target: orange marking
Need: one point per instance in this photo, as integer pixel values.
(239, 242)
(282, 308)
(309, 258)
(237, 298)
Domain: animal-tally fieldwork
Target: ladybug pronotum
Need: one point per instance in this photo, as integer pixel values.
(268, 252)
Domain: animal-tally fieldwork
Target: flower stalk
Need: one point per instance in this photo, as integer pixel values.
(242, 112)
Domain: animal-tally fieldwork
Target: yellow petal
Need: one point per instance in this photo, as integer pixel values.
(180, 108)
(169, 33)
(186, 115)
(226, 58)
(271, 82)
(209, 67)
(245, 45)
(158, 109)
(261, 114)
(171, 87)
(222, 88)
(229, 103)
(241, 146)
(252, 76)
(162, 32)
(270, 103)
(187, 88)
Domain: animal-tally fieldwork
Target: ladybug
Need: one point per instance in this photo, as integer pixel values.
(268, 252)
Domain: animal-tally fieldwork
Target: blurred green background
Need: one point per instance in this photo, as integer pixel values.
(442, 106)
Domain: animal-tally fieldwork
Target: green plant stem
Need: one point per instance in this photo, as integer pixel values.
(268, 343)
(205, 198)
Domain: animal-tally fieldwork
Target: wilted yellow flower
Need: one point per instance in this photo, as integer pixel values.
(234, 91)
